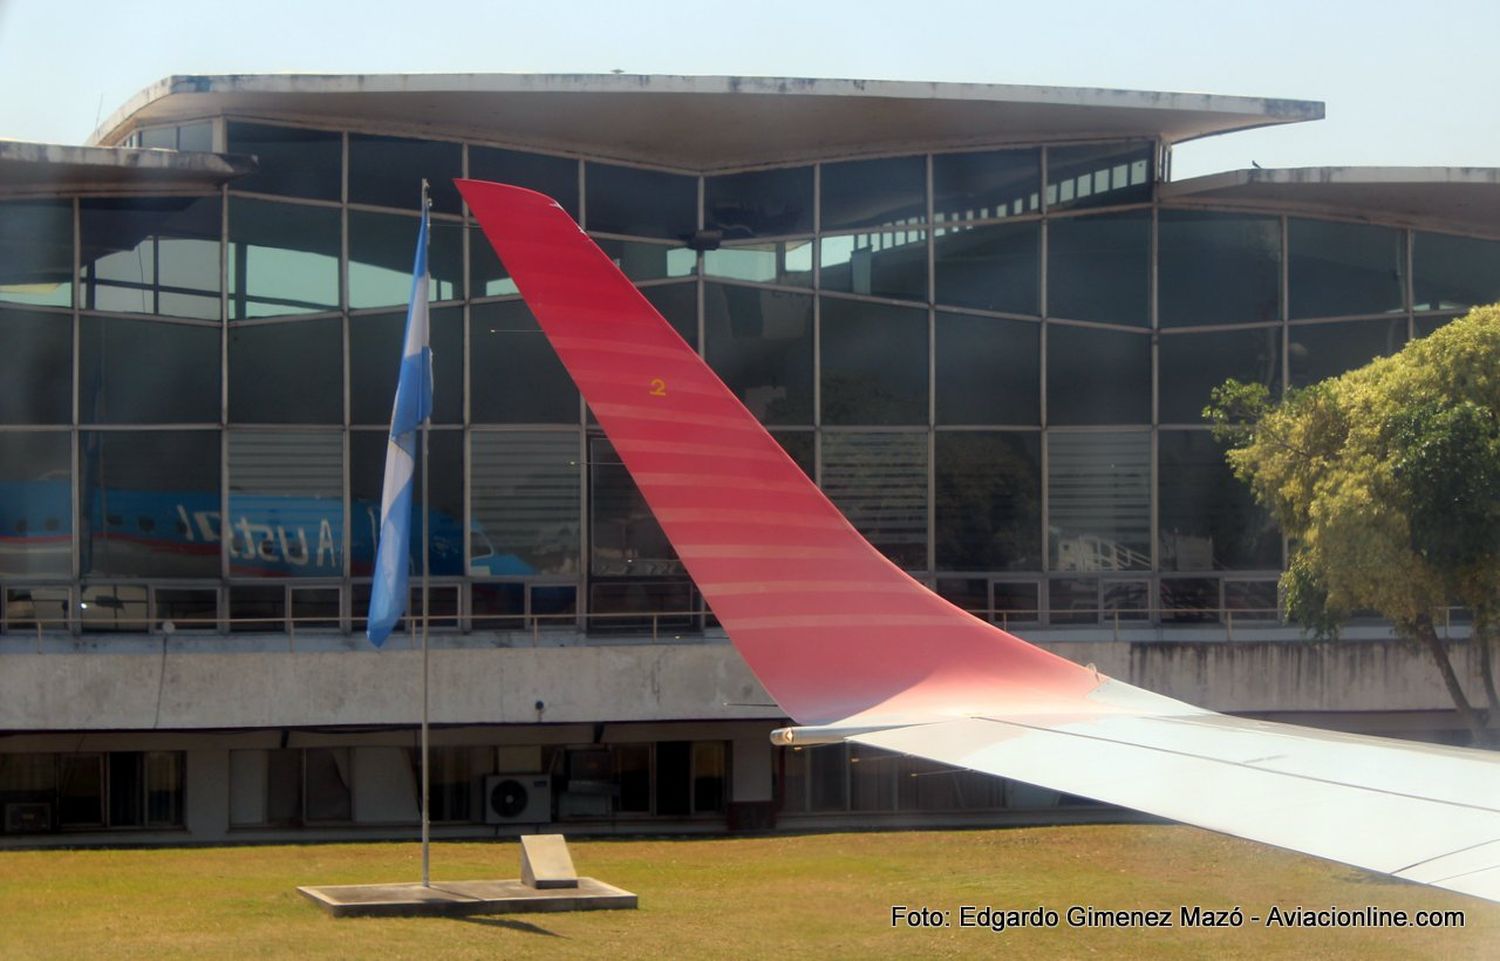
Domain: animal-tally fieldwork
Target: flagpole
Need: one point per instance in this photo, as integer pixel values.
(426, 572)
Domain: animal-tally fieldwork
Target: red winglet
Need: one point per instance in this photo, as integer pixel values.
(830, 626)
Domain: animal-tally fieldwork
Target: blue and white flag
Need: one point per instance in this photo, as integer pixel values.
(389, 593)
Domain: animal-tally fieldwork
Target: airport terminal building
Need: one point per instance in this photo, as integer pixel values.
(983, 318)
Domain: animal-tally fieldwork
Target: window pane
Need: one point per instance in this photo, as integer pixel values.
(36, 493)
(879, 481)
(761, 343)
(800, 447)
(1192, 365)
(382, 249)
(328, 779)
(989, 501)
(188, 609)
(149, 503)
(145, 371)
(196, 136)
(626, 538)
(286, 504)
(889, 263)
(991, 184)
(283, 259)
(1336, 269)
(1097, 376)
(762, 203)
(1099, 498)
(1099, 268)
(992, 268)
(289, 373)
(1073, 600)
(874, 360)
(1218, 268)
(678, 305)
(36, 367)
(375, 344)
(988, 370)
(36, 253)
(1316, 351)
(1189, 600)
(1451, 272)
(787, 262)
(112, 607)
(151, 256)
(525, 492)
(557, 177)
(164, 783)
(257, 609)
(642, 261)
(295, 162)
(388, 172)
(642, 203)
(874, 193)
(1208, 520)
(1098, 175)
(515, 376)
(80, 790)
(367, 455)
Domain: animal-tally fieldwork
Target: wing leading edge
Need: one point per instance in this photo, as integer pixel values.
(843, 638)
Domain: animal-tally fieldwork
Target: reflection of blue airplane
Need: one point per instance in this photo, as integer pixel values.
(267, 535)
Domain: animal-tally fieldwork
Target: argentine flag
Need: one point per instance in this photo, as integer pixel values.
(389, 593)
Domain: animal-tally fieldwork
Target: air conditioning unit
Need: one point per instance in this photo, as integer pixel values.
(28, 817)
(518, 798)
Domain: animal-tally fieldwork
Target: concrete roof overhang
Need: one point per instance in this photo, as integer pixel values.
(35, 168)
(1448, 198)
(704, 123)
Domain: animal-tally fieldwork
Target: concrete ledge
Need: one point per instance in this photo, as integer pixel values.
(455, 898)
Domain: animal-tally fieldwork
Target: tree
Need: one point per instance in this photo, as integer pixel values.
(1386, 479)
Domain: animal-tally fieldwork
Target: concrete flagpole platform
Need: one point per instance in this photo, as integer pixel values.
(547, 883)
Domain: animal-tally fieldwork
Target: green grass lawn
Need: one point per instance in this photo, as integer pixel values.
(794, 897)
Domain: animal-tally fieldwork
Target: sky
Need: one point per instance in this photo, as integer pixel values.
(1405, 84)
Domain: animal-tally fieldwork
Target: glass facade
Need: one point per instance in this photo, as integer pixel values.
(995, 361)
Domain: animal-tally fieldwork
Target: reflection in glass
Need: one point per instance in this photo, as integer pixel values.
(874, 360)
(800, 447)
(989, 501)
(36, 253)
(1073, 600)
(641, 203)
(988, 370)
(515, 376)
(1017, 601)
(678, 304)
(1317, 351)
(1451, 272)
(525, 493)
(1098, 175)
(990, 184)
(1189, 600)
(149, 503)
(1097, 376)
(375, 343)
(290, 160)
(1125, 600)
(1192, 365)
(189, 609)
(971, 594)
(1099, 500)
(642, 261)
(445, 532)
(761, 203)
(256, 609)
(286, 504)
(889, 263)
(879, 481)
(992, 268)
(388, 172)
(146, 371)
(151, 255)
(760, 342)
(287, 373)
(113, 607)
(557, 177)
(283, 259)
(36, 367)
(626, 538)
(874, 193)
(36, 493)
(1336, 269)
(1099, 268)
(1252, 600)
(1426, 325)
(1207, 520)
(786, 262)
(1218, 268)
(381, 252)
(196, 136)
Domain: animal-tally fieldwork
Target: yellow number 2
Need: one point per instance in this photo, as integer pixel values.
(658, 387)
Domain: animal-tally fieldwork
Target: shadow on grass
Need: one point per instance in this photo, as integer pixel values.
(526, 927)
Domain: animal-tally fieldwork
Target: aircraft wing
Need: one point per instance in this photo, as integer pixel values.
(853, 648)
